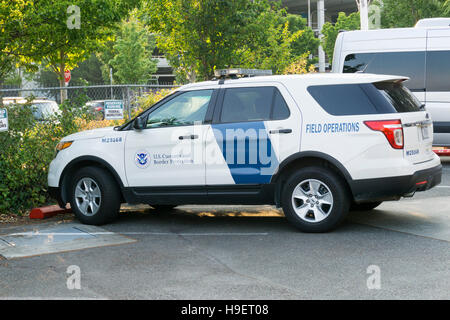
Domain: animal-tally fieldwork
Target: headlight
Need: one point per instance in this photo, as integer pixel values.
(63, 145)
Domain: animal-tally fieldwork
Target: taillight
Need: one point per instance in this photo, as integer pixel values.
(392, 129)
(98, 109)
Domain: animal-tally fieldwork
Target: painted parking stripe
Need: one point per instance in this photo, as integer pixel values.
(44, 234)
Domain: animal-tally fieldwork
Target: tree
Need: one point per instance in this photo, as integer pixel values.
(274, 52)
(133, 49)
(198, 37)
(307, 42)
(59, 34)
(87, 72)
(330, 31)
(405, 13)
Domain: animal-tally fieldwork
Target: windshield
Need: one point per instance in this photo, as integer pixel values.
(44, 110)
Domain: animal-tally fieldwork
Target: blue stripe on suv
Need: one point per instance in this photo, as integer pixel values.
(248, 151)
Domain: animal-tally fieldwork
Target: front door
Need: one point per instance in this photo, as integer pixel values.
(169, 151)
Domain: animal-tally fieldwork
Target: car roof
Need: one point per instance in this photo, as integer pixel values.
(305, 79)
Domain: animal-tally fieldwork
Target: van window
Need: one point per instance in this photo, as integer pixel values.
(410, 64)
(438, 71)
(360, 99)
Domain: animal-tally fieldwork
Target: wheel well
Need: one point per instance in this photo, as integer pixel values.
(304, 162)
(72, 168)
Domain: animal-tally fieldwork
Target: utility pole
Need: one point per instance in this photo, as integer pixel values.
(111, 81)
(363, 6)
(309, 14)
(321, 21)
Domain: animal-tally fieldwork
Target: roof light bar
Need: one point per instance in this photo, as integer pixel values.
(239, 72)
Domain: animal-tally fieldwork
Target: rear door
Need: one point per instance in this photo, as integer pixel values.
(253, 130)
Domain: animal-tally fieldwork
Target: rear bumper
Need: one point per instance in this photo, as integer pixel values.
(393, 188)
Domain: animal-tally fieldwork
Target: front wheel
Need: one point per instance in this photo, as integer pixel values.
(95, 196)
(315, 199)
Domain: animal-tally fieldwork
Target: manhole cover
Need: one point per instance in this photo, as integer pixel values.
(44, 239)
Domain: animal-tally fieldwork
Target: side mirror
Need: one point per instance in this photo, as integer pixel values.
(139, 123)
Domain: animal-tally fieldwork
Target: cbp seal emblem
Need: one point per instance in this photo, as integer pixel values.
(142, 159)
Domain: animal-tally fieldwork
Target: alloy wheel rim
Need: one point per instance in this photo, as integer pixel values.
(88, 196)
(312, 200)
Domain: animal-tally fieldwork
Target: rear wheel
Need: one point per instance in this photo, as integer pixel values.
(366, 206)
(315, 199)
(95, 196)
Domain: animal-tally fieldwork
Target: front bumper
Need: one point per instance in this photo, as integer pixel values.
(393, 188)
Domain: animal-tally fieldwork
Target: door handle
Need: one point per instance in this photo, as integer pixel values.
(191, 136)
(284, 131)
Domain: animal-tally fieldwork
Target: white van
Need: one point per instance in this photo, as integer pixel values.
(422, 53)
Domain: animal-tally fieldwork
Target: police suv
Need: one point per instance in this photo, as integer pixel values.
(317, 145)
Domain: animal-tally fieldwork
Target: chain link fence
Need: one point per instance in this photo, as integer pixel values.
(129, 93)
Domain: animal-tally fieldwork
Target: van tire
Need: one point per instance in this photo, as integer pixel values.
(312, 211)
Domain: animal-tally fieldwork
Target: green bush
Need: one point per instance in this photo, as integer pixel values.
(26, 151)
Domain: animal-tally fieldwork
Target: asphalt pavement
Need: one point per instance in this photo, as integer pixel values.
(398, 251)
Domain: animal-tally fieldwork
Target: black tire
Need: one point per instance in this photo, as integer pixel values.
(163, 207)
(108, 207)
(366, 206)
(333, 184)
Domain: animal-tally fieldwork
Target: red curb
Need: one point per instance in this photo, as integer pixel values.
(442, 151)
(48, 211)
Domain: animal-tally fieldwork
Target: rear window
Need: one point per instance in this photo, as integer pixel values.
(359, 99)
(398, 96)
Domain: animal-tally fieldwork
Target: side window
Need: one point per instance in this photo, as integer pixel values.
(343, 99)
(280, 108)
(184, 109)
(410, 64)
(253, 104)
(438, 71)
(357, 62)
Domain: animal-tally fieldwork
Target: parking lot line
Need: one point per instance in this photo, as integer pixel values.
(46, 234)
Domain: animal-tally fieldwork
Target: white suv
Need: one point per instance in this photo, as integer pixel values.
(316, 145)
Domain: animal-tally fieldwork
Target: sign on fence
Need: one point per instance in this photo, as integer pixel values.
(113, 109)
(3, 120)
